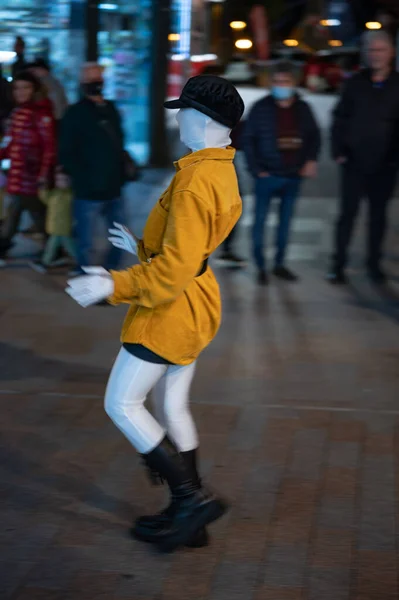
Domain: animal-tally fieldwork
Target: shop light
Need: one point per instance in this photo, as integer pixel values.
(291, 43)
(184, 29)
(196, 58)
(330, 22)
(107, 6)
(373, 25)
(243, 44)
(238, 25)
(174, 37)
(335, 43)
(6, 56)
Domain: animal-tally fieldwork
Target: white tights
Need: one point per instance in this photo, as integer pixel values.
(130, 382)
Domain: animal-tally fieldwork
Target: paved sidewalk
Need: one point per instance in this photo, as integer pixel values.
(297, 406)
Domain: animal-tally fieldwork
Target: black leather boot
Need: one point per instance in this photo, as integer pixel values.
(193, 508)
(147, 527)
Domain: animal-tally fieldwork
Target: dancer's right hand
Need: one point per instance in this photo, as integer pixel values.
(123, 239)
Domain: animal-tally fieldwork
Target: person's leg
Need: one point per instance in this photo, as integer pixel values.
(41, 265)
(12, 220)
(380, 189)
(178, 418)
(114, 212)
(352, 189)
(228, 256)
(85, 213)
(171, 408)
(130, 382)
(50, 251)
(69, 246)
(263, 194)
(288, 197)
(37, 211)
(229, 241)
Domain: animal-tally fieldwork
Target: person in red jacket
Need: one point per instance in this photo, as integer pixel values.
(30, 145)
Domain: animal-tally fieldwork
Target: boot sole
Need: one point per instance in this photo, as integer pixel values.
(200, 540)
(211, 512)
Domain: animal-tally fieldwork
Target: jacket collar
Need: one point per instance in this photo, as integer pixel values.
(269, 98)
(368, 75)
(226, 154)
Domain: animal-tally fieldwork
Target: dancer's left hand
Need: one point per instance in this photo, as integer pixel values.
(92, 288)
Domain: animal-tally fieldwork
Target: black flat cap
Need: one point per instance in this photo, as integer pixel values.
(213, 96)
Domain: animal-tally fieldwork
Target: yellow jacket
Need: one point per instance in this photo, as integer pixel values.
(174, 313)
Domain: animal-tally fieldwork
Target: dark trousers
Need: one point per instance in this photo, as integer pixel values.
(17, 205)
(287, 189)
(228, 242)
(85, 216)
(378, 188)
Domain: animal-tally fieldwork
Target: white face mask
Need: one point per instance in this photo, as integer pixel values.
(197, 131)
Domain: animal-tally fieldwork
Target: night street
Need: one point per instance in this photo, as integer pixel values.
(129, 131)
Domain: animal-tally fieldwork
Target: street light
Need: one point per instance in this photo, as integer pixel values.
(243, 44)
(291, 43)
(335, 43)
(330, 22)
(238, 25)
(373, 25)
(174, 37)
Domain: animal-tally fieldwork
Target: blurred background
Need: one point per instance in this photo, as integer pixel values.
(150, 49)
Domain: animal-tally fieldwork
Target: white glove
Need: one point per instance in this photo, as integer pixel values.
(92, 288)
(123, 239)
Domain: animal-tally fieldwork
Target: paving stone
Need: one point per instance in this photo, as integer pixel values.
(278, 593)
(246, 434)
(234, 580)
(285, 565)
(340, 482)
(12, 574)
(332, 548)
(378, 504)
(376, 576)
(330, 584)
(307, 454)
(344, 454)
(337, 513)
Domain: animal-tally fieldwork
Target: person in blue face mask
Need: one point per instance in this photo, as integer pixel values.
(281, 142)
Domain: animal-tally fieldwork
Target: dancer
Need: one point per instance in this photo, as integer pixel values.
(175, 309)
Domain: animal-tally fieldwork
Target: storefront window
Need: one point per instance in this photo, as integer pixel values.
(124, 48)
(44, 26)
(56, 30)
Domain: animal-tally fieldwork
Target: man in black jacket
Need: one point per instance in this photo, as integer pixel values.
(281, 143)
(365, 143)
(91, 152)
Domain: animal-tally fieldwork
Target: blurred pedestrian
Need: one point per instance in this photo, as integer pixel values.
(6, 106)
(228, 256)
(20, 63)
(91, 153)
(55, 89)
(281, 143)
(6, 102)
(365, 144)
(58, 224)
(30, 145)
